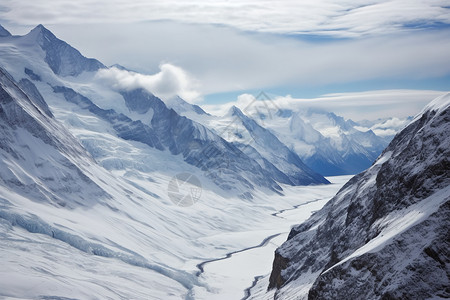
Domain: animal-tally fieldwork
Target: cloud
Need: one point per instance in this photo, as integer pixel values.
(224, 60)
(389, 41)
(169, 82)
(329, 17)
(370, 105)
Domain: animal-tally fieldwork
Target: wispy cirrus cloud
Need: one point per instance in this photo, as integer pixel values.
(330, 17)
(225, 60)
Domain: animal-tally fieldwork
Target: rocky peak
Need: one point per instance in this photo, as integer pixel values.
(4, 32)
(62, 58)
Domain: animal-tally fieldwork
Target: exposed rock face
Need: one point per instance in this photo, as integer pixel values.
(279, 263)
(4, 32)
(62, 58)
(385, 234)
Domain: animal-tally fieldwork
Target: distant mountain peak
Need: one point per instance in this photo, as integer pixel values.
(40, 32)
(120, 67)
(61, 57)
(4, 32)
(235, 111)
(41, 28)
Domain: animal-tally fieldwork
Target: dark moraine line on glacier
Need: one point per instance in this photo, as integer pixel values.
(200, 266)
(297, 206)
(247, 290)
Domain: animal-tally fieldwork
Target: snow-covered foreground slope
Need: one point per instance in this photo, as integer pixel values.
(385, 234)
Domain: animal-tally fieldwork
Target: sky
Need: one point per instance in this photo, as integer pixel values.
(211, 52)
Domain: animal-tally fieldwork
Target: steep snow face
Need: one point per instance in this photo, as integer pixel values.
(385, 234)
(60, 56)
(183, 108)
(27, 126)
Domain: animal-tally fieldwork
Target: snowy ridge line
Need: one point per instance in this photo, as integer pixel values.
(38, 226)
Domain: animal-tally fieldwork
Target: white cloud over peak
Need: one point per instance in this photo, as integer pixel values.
(169, 82)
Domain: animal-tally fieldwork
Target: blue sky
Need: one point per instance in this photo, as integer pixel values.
(227, 48)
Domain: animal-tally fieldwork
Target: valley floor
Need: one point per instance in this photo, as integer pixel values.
(240, 273)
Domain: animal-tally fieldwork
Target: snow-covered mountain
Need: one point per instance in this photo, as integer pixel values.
(385, 233)
(67, 80)
(70, 228)
(261, 145)
(51, 189)
(327, 143)
(60, 56)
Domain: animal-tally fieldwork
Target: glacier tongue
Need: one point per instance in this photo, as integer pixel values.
(137, 115)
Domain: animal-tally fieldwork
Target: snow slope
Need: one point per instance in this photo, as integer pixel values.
(385, 233)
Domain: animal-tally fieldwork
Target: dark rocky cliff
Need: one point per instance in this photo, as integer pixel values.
(385, 234)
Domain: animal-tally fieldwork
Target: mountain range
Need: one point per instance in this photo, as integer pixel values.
(87, 168)
(52, 68)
